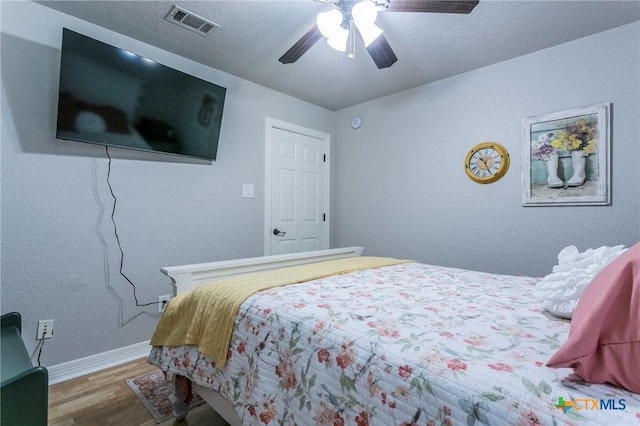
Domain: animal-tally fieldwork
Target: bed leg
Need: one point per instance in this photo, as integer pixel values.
(180, 408)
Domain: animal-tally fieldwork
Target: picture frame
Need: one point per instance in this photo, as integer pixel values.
(566, 157)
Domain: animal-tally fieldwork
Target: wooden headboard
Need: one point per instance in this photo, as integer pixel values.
(186, 277)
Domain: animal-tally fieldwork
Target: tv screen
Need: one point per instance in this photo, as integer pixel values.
(110, 96)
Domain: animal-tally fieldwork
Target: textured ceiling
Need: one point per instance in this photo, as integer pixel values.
(254, 34)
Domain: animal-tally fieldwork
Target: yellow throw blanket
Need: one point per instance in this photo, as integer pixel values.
(205, 316)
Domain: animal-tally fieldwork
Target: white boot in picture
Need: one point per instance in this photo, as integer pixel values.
(553, 181)
(579, 161)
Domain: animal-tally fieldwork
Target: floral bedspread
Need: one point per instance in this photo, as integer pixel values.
(409, 344)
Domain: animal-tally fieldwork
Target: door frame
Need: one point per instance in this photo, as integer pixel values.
(272, 123)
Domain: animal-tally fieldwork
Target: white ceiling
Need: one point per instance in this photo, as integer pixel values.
(254, 34)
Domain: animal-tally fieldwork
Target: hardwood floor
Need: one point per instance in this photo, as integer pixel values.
(104, 398)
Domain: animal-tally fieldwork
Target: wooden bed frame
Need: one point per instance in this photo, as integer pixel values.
(187, 277)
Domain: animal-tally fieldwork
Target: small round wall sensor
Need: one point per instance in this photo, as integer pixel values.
(356, 122)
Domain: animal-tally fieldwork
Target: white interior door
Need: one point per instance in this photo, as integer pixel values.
(297, 189)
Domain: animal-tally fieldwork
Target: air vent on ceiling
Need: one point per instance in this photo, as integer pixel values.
(191, 21)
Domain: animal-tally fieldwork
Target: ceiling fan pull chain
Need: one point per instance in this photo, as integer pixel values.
(352, 41)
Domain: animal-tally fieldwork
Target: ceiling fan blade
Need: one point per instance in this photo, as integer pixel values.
(433, 6)
(301, 46)
(381, 52)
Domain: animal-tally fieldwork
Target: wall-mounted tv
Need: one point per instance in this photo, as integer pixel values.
(110, 96)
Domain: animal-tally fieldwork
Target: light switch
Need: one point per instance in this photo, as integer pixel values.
(247, 190)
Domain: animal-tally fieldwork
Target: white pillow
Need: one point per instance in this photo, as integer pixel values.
(89, 122)
(560, 290)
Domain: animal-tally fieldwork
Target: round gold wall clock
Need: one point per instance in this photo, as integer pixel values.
(487, 162)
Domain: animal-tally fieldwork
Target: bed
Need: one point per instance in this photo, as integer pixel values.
(402, 343)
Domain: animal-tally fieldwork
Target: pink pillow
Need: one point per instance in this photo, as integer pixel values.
(604, 336)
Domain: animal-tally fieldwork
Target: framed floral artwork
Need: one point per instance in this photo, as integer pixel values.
(566, 158)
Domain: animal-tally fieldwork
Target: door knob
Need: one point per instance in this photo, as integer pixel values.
(279, 233)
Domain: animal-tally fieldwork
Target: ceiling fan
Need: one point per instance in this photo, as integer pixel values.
(349, 17)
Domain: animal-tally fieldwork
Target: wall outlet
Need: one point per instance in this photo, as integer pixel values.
(45, 329)
(163, 301)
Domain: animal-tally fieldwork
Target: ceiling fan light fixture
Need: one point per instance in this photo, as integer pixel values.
(369, 33)
(364, 11)
(329, 22)
(364, 16)
(339, 40)
(339, 26)
(330, 25)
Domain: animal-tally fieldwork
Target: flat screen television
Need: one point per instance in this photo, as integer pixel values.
(110, 96)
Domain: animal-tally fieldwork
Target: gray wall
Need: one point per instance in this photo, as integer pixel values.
(399, 182)
(60, 259)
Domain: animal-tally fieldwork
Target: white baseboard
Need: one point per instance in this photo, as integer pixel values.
(79, 367)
